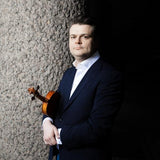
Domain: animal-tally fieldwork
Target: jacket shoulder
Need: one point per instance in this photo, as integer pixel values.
(109, 71)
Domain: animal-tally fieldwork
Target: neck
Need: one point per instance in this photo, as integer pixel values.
(82, 58)
(76, 62)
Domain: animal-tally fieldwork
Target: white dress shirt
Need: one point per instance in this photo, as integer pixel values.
(82, 68)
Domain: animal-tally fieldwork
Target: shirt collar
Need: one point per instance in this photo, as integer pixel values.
(88, 62)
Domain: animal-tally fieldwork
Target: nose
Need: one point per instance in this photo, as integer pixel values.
(78, 40)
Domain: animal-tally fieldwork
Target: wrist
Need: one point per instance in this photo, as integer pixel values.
(47, 121)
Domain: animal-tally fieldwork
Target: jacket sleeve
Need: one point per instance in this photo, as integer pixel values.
(98, 125)
(59, 92)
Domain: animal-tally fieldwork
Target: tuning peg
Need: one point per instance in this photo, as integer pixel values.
(33, 98)
(37, 88)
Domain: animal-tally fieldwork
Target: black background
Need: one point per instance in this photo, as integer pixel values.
(130, 41)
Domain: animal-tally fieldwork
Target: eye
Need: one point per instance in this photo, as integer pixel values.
(72, 37)
(86, 36)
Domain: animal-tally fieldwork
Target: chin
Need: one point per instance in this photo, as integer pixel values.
(78, 53)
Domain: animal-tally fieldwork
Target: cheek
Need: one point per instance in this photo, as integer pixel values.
(70, 44)
(88, 46)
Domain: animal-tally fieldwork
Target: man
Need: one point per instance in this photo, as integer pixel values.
(89, 100)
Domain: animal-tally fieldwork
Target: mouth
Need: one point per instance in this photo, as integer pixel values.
(77, 48)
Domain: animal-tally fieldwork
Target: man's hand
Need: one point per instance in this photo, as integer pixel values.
(50, 133)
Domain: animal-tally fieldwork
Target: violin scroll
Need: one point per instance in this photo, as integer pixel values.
(36, 94)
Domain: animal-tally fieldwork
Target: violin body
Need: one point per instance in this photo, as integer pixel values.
(50, 102)
(45, 104)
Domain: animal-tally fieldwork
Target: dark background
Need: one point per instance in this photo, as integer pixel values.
(130, 41)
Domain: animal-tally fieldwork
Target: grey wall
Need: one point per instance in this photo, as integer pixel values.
(33, 51)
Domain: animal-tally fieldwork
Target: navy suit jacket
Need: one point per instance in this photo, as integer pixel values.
(86, 118)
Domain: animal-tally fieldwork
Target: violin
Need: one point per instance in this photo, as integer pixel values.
(50, 102)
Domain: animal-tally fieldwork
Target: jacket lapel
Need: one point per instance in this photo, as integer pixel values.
(67, 84)
(88, 78)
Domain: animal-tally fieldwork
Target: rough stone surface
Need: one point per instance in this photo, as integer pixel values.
(33, 51)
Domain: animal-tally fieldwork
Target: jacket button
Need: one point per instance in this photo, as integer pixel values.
(60, 119)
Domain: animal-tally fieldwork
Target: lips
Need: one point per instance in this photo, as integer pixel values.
(77, 48)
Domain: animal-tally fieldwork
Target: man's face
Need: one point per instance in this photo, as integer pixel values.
(81, 41)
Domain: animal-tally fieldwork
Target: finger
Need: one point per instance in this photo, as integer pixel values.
(50, 142)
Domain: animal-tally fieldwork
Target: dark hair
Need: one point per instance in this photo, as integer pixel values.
(86, 20)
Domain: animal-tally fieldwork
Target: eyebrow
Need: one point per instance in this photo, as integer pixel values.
(90, 35)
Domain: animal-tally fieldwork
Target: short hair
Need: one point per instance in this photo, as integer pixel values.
(85, 20)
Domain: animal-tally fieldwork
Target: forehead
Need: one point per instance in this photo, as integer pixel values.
(81, 29)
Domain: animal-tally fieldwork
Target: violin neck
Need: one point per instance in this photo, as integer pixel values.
(43, 99)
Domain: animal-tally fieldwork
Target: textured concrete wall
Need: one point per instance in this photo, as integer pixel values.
(33, 51)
